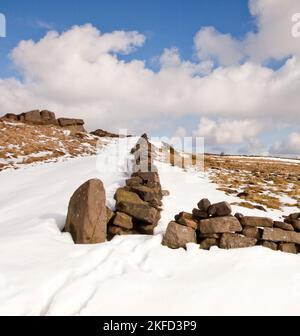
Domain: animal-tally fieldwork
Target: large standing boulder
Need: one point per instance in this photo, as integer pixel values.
(178, 236)
(87, 214)
(220, 225)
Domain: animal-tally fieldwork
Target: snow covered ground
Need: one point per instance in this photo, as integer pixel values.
(43, 273)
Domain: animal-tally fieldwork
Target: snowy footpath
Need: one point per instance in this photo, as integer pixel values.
(42, 272)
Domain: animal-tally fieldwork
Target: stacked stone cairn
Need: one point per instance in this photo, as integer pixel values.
(138, 204)
(214, 225)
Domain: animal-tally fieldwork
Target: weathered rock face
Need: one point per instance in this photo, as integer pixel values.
(233, 240)
(178, 236)
(64, 122)
(220, 225)
(31, 117)
(220, 209)
(37, 117)
(278, 235)
(76, 124)
(87, 214)
(256, 221)
(48, 117)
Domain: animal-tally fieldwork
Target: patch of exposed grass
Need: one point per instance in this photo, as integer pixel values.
(262, 181)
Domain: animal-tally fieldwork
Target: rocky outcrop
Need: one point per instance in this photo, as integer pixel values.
(87, 214)
(104, 134)
(35, 117)
(76, 124)
(45, 117)
(214, 225)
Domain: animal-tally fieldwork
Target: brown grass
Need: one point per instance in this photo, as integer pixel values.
(26, 144)
(264, 181)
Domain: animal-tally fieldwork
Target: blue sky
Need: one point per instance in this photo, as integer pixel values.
(165, 23)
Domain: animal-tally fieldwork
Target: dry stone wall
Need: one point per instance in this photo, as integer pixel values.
(138, 204)
(214, 225)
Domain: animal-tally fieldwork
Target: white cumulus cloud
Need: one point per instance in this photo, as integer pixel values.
(227, 132)
(80, 73)
(287, 147)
